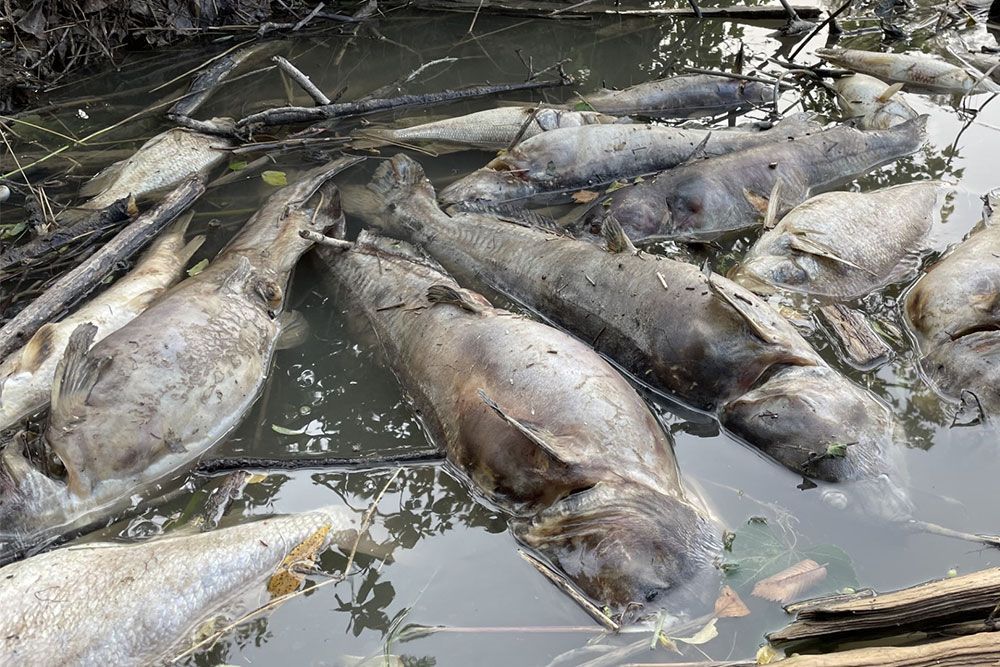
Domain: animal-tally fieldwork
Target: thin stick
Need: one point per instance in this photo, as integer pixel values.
(569, 590)
(214, 466)
(300, 78)
(729, 75)
(321, 239)
(819, 27)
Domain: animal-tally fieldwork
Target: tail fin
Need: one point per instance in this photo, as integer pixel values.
(399, 176)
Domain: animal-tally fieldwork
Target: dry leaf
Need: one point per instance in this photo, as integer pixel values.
(703, 636)
(766, 655)
(286, 579)
(788, 584)
(729, 604)
(584, 196)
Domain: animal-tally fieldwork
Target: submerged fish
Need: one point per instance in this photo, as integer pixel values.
(542, 425)
(843, 244)
(143, 603)
(954, 310)
(26, 375)
(565, 160)
(697, 337)
(705, 199)
(919, 70)
(872, 104)
(684, 96)
(155, 395)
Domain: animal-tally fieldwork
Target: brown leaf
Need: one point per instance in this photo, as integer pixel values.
(729, 604)
(584, 196)
(787, 584)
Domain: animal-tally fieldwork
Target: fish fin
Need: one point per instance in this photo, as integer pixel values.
(760, 204)
(509, 213)
(293, 328)
(37, 349)
(76, 374)
(235, 281)
(544, 441)
(731, 294)
(771, 213)
(615, 236)
(374, 244)
(400, 172)
(103, 179)
(441, 293)
(803, 243)
(907, 267)
(888, 93)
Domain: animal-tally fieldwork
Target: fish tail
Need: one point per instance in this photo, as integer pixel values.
(398, 177)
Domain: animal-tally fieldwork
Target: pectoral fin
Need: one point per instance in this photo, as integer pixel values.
(294, 330)
(771, 214)
(103, 179)
(615, 236)
(441, 293)
(761, 204)
(547, 442)
(810, 246)
(888, 93)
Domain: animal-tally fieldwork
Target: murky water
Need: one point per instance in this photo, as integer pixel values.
(454, 564)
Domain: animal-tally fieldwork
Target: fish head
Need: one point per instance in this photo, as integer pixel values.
(640, 217)
(489, 185)
(762, 273)
(629, 547)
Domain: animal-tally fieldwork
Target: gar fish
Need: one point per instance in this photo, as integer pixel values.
(26, 375)
(155, 395)
(684, 96)
(872, 104)
(843, 245)
(565, 160)
(922, 70)
(704, 199)
(542, 425)
(954, 310)
(142, 603)
(697, 337)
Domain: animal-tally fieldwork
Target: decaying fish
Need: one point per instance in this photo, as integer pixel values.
(697, 337)
(922, 71)
(143, 603)
(542, 425)
(843, 244)
(954, 309)
(684, 96)
(565, 160)
(871, 103)
(704, 199)
(153, 396)
(26, 375)
(492, 129)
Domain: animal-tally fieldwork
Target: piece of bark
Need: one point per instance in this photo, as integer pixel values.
(863, 347)
(970, 651)
(84, 278)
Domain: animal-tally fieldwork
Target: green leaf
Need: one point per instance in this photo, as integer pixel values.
(836, 450)
(197, 268)
(583, 105)
(10, 231)
(275, 178)
(237, 165)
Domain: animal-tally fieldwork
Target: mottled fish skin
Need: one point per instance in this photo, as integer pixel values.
(597, 489)
(922, 71)
(137, 604)
(148, 400)
(859, 98)
(558, 162)
(954, 312)
(685, 96)
(704, 199)
(26, 375)
(843, 245)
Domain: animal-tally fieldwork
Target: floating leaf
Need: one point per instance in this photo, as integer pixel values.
(766, 655)
(729, 604)
(287, 431)
(10, 231)
(238, 165)
(287, 579)
(584, 196)
(836, 450)
(786, 585)
(583, 106)
(197, 268)
(703, 636)
(952, 573)
(275, 178)
(615, 185)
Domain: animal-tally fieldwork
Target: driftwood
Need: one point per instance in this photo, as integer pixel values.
(205, 82)
(213, 466)
(863, 347)
(555, 10)
(972, 651)
(300, 78)
(84, 278)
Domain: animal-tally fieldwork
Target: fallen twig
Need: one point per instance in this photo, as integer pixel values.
(300, 78)
(553, 10)
(213, 466)
(567, 588)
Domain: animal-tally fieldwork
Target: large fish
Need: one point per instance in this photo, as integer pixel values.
(954, 310)
(542, 425)
(871, 103)
(152, 397)
(143, 603)
(697, 337)
(684, 96)
(922, 71)
(707, 198)
(26, 375)
(558, 162)
(843, 245)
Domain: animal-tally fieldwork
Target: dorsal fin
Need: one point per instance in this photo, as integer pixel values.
(442, 293)
(37, 350)
(615, 236)
(888, 93)
(546, 442)
(389, 247)
(509, 213)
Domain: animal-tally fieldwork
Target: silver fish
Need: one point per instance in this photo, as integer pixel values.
(922, 70)
(684, 96)
(872, 104)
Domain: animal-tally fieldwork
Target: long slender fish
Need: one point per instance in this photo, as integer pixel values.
(152, 397)
(843, 245)
(542, 425)
(684, 96)
(704, 199)
(871, 103)
(954, 310)
(569, 159)
(921, 70)
(142, 604)
(26, 375)
(697, 337)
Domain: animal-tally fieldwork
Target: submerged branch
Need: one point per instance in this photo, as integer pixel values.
(213, 466)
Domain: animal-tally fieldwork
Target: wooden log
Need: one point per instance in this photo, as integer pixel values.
(862, 346)
(971, 651)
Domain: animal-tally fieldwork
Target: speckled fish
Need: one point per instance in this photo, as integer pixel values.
(562, 161)
(684, 96)
(704, 199)
(26, 375)
(870, 103)
(954, 310)
(922, 71)
(143, 603)
(152, 397)
(542, 425)
(694, 336)
(492, 129)
(843, 245)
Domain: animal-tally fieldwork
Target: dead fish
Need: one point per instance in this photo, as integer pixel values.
(542, 425)
(870, 103)
(561, 161)
(704, 199)
(684, 96)
(697, 337)
(143, 603)
(844, 245)
(921, 70)
(155, 395)
(954, 311)
(492, 129)
(26, 375)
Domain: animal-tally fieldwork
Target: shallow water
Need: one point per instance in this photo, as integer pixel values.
(454, 563)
